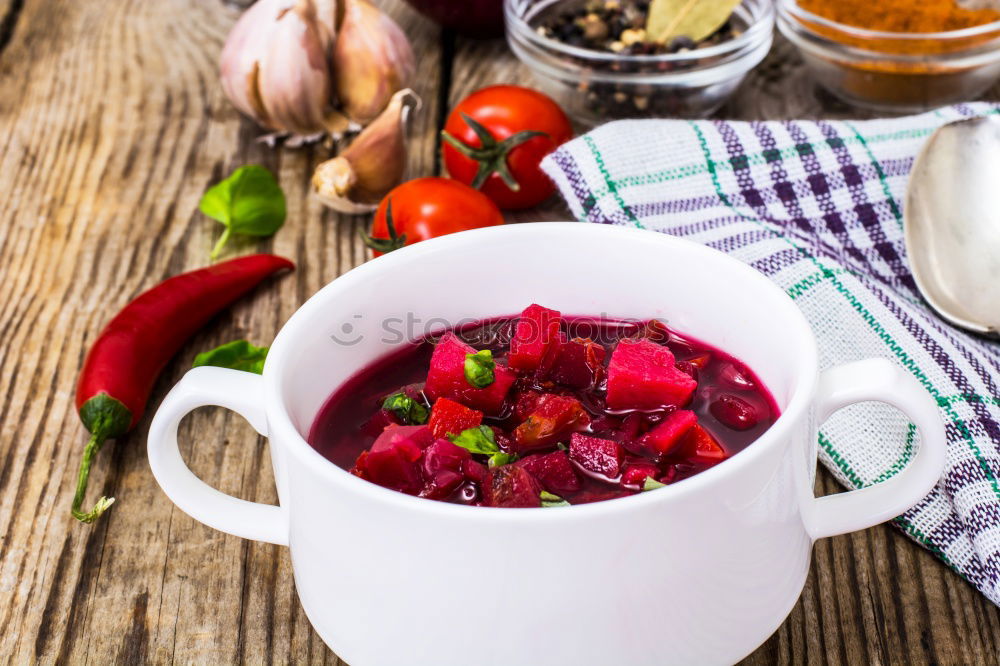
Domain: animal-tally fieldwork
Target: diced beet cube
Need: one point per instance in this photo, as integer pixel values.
(379, 421)
(524, 404)
(474, 471)
(361, 465)
(505, 443)
(446, 378)
(443, 455)
(701, 447)
(665, 437)
(410, 441)
(632, 425)
(579, 363)
(554, 417)
(605, 424)
(553, 470)
(602, 456)
(636, 473)
(391, 468)
(642, 375)
(442, 484)
(551, 355)
(537, 329)
(450, 418)
(511, 486)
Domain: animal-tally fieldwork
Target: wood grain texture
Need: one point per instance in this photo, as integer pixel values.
(113, 125)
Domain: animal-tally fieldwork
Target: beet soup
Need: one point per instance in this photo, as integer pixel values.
(543, 410)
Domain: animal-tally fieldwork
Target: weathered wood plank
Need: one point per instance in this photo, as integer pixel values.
(114, 125)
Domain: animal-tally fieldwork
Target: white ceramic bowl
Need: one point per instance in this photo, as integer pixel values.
(701, 571)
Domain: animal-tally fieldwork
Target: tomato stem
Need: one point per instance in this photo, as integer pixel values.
(393, 242)
(97, 440)
(492, 154)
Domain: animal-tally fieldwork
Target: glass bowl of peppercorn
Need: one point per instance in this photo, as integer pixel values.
(896, 56)
(597, 59)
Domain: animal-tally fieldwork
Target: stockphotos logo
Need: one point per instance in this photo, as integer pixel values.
(603, 328)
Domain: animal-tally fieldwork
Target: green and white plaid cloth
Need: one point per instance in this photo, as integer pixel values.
(816, 206)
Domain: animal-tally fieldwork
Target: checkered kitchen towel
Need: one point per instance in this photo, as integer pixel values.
(816, 206)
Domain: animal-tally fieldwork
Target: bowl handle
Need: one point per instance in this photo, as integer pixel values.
(878, 380)
(243, 393)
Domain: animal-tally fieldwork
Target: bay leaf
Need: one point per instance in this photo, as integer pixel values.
(695, 19)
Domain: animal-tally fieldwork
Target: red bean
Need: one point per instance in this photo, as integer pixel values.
(734, 412)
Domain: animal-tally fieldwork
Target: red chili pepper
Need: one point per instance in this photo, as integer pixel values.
(133, 348)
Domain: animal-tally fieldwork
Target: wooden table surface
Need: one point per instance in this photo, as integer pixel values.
(113, 124)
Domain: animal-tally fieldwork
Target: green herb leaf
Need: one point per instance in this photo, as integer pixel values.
(477, 440)
(238, 355)
(548, 499)
(695, 19)
(479, 368)
(652, 484)
(406, 409)
(250, 202)
(502, 458)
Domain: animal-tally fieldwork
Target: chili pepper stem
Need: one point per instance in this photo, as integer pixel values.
(97, 440)
(219, 244)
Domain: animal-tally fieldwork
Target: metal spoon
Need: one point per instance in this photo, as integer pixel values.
(952, 223)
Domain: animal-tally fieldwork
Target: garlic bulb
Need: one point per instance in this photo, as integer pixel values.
(242, 54)
(294, 84)
(284, 66)
(372, 59)
(356, 180)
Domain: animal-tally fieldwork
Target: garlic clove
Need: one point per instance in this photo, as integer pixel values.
(245, 47)
(330, 14)
(372, 59)
(356, 180)
(294, 80)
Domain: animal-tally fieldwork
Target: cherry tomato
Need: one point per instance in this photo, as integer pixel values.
(427, 208)
(495, 139)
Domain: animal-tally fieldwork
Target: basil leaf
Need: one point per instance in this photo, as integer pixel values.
(652, 484)
(501, 458)
(477, 440)
(548, 499)
(250, 202)
(406, 409)
(479, 368)
(238, 355)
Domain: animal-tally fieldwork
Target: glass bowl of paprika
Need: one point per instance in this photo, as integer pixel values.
(911, 55)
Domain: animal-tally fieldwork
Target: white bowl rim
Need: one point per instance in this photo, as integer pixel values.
(282, 429)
